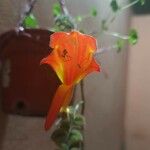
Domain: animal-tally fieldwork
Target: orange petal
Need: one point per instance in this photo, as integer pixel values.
(92, 67)
(61, 98)
(57, 39)
(54, 61)
(73, 53)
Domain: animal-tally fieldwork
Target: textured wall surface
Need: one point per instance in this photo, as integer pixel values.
(104, 97)
(138, 88)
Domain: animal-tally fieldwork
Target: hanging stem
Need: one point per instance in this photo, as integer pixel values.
(82, 96)
(83, 105)
(118, 35)
(129, 5)
(110, 20)
(63, 7)
(104, 49)
(28, 9)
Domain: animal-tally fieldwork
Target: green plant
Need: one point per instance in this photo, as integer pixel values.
(69, 130)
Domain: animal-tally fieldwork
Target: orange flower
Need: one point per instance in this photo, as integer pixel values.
(72, 59)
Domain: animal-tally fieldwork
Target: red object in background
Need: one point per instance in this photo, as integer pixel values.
(26, 87)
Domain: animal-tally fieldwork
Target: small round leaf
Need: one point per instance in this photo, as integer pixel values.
(56, 9)
(114, 6)
(133, 37)
(30, 21)
(94, 12)
(75, 137)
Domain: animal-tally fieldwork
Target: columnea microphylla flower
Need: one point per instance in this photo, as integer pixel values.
(72, 59)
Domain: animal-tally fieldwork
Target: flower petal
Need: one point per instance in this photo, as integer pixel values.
(54, 61)
(61, 98)
(74, 52)
(92, 67)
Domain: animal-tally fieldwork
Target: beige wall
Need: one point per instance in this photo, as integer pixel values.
(138, 88)
(104, 97)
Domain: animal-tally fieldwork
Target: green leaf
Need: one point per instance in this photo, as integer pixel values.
(59, 136)
(65, 124)
(120, 43)
(30, 22)
(94, 12)
(75, 138)
(64, 23)
(64, 146)
(133, 37)
(79, 120)
(114, 5)
(142, 2)
(56, 9)
(79, 18)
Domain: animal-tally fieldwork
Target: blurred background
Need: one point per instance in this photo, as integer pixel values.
(117, 106)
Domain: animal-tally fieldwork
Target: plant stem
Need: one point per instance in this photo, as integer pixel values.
(110, 20)
(104, 49)
(118, 35)
(82, 96)
(83, 106)
(63, 7)
(129, 5)
(28, 9)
